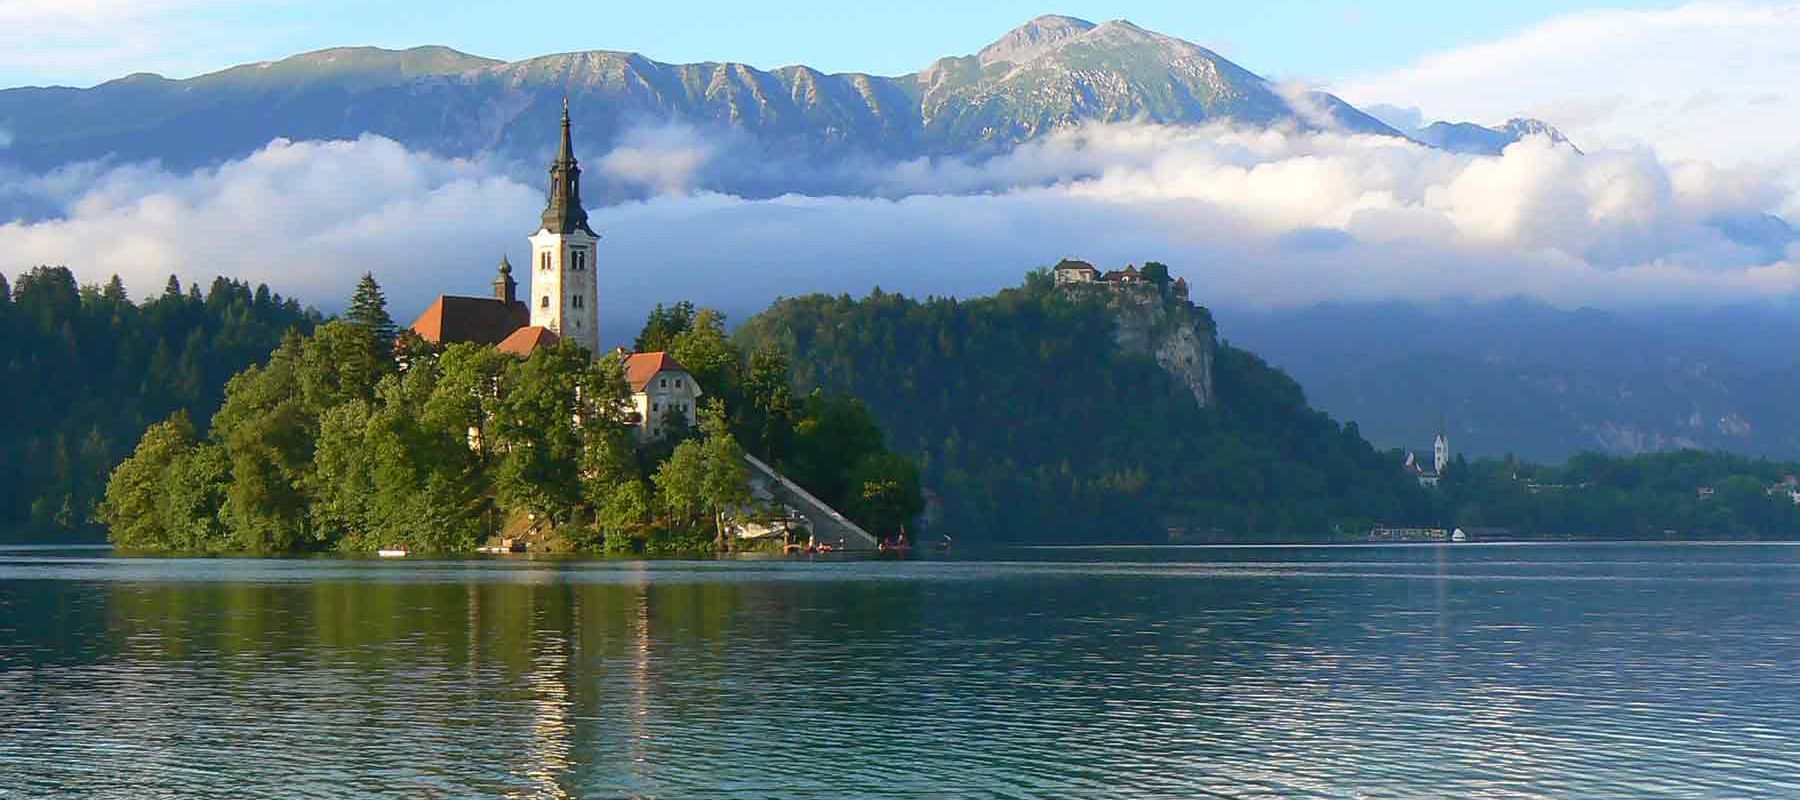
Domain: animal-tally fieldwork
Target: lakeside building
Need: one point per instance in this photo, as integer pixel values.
(1440, 458)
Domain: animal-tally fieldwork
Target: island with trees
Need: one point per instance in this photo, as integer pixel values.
(355, 438)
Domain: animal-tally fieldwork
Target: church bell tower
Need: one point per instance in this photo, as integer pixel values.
(564, 289)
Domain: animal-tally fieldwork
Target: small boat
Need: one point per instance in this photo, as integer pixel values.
(392, 552)
(942, 545)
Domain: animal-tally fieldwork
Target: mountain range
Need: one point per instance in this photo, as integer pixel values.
(1049, 73)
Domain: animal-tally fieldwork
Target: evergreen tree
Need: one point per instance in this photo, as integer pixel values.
(663, 326)
(369, 311)
(89, 371)
(708, 353)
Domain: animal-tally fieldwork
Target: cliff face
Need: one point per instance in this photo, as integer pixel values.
(1181, 336)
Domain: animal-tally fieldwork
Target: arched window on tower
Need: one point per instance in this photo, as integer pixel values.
(578, 259)
(544, 261)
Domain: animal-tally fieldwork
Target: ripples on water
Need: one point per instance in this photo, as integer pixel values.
(1623, 671)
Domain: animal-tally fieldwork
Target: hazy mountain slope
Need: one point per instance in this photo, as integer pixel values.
(1542, 383)
(1051, 72)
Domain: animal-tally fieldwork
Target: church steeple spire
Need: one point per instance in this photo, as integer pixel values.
(564, 213)
(565, 289)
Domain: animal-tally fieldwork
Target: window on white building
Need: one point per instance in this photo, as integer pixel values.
(677, 383)
(662, 383)
(544, 260)
(545, 302)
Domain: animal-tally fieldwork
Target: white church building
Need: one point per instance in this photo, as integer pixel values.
(562, 303)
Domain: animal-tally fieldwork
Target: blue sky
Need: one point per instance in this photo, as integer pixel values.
(84, 41)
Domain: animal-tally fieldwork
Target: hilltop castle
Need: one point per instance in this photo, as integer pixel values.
(1072, 273)
(562, 304)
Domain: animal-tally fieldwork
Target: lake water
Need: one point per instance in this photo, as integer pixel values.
(1604, 671)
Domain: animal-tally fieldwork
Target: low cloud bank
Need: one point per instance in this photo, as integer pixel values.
(1712, 81)
(1253, 217)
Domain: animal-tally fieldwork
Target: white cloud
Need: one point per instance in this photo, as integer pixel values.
(664, 159)
(1250, 216)
(1712, 81)
(300, 216)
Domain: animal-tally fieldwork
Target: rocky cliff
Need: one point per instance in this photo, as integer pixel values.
(1153, 322)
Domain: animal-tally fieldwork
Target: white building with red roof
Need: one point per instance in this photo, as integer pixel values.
(662, 390)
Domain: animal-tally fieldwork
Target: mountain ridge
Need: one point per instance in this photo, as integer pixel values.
(1048, 74)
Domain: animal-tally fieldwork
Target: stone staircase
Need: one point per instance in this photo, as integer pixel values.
(828, 525)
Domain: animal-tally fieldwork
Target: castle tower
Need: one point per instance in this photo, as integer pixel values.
(564, 289)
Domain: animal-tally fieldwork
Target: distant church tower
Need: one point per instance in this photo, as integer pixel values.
(564, 289)
(1440, 453)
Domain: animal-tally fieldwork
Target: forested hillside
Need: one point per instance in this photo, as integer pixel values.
(1031, 424)
(85, 370)
(1687, 494)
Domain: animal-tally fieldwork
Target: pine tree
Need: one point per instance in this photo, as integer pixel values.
(114, 291)
(173, 289)
(368, 310)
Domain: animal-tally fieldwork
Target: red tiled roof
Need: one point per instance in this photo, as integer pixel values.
(524, 341)
(641, 367)
(482, 320)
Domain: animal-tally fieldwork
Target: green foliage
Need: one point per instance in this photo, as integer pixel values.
(1654, 496)
(705, 479)
(1030, 424)
(885, 493)
(818, 440)
(135, 493)
(86, 371)
(337, 443)
(706, 351)
(307, 454)
(539, 469)
(663, 326)
(369, 311)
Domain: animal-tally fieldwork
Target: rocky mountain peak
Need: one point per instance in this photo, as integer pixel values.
(1033, 39)
(1521, 127)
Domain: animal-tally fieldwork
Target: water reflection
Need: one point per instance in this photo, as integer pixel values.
(1399, 672)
